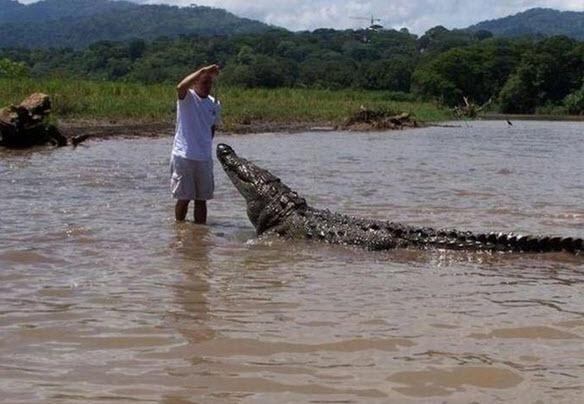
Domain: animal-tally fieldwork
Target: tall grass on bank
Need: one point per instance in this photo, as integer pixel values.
(130, 102)
(95, 100)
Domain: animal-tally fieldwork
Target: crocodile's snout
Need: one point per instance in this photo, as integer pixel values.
(224, 150)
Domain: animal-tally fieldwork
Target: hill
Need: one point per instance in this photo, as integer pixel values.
(536, 21)
(11, 11)
(78, 23)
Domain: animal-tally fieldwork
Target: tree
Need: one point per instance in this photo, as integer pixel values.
(289, 50)
(429, 83)
(388, 74)
(249, 69)
(574, 102)
(483, 34)
(546, 75)
(359, 51)
(477, 72)
(136, 49)
(518, 96)
(328, 70)
(440, 39)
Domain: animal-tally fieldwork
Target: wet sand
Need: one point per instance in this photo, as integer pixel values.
(107, 130)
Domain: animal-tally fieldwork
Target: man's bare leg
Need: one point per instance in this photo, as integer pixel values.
(200, 212)
(180, 210)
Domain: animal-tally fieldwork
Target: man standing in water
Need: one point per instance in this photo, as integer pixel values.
(192, 157)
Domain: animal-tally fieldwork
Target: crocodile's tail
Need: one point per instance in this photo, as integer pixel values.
(517, 242)
(453, 239)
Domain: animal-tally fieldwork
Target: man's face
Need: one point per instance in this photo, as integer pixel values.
(204, 84)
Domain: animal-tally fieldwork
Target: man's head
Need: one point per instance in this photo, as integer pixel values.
(268, 199)
(204, 84)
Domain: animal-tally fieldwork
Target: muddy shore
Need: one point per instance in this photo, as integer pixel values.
(104, 130)
(99, 129)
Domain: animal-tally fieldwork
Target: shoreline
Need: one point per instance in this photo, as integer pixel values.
(97, 129)
(130, 129)
(533, 117)
(106, 129)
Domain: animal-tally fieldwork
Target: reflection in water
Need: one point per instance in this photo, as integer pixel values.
(192, 246)
(99, 304)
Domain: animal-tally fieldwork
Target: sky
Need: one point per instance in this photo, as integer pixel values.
(415, 15)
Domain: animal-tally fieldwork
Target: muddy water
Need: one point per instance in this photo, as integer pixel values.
(105, 298)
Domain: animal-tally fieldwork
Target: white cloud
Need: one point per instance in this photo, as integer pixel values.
(416, 15)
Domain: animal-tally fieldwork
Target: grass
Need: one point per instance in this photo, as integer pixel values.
(130, 102)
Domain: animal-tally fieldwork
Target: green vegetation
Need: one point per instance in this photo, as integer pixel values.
(156, 103)
(574, 102)
(518, 75)
(521, 75)
(10, 69)
(546, 74)
(78, 23)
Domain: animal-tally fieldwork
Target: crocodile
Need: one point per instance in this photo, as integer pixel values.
(272, 207)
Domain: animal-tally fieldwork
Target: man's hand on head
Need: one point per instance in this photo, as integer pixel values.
(191, 80)
(211, 69)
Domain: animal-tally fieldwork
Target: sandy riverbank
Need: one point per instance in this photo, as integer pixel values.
(109, 129)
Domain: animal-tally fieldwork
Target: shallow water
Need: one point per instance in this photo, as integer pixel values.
(105, 298)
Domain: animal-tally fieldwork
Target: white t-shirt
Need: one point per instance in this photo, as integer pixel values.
(193, 138)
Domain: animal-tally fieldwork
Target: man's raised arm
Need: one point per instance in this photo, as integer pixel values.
(192, 78)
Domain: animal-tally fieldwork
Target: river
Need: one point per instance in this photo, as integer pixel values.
(105, 298)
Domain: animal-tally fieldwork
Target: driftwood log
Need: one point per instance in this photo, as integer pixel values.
(26, 124)
(469, 109)
(367, 119)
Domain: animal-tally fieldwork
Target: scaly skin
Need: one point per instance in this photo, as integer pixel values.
(274, 207)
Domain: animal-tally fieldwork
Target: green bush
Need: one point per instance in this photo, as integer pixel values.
(574, 102)
(10, 69)
(518, 96)
(551, 108)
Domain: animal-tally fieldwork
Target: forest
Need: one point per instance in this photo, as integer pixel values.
(530, 74)
(79, 23)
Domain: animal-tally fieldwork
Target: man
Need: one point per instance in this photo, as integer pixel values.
(192, 157)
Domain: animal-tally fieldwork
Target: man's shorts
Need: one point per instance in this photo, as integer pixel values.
(191, 179)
